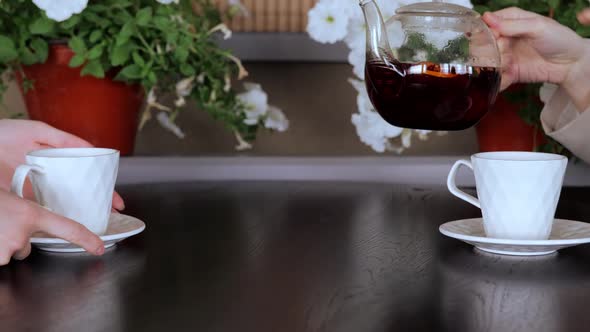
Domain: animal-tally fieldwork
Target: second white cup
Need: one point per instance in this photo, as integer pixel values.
(517, 192)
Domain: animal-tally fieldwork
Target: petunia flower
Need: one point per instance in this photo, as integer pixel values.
(255, 101)
(276, 119)
(61, 10)
(327, 22)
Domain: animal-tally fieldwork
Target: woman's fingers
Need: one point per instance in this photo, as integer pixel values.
(510, 23)
(47, 135)
(584, 16)
(69, 230)
(118, 202)
(515, 13)
(22, 253)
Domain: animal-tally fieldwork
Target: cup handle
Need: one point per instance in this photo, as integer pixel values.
(20, 176)
(452, 185)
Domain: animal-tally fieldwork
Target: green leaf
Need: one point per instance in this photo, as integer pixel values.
(146, 69)
(40, 48)
(120, 54)
(152, 78)
(41, 26)
(93, 68)
(97, 19)
(77, 60)
(584, 31)
(181, 53)
(77, 45)
(553, 3)
(99, 8)
(95, 36)
(144, 16)
(27, 57)
(163, 23)
(130, 72)
(7, 49)
(95, 52)
(187, 70)
(138, 59)
(71, 22)
(126, 32)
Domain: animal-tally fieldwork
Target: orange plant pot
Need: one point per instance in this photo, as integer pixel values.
(502, 129)
(101, 111)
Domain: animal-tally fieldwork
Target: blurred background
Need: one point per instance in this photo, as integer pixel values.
(306, 79)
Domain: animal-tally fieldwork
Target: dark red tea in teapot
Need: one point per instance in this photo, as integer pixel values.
(431, 96)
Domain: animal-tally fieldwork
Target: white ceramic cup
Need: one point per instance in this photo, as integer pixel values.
(77, 183)
(518, 192)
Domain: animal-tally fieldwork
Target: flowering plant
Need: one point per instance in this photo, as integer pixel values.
(166, 46)
(332, 21)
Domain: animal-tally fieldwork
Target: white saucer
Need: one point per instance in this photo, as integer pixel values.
(565, 233)
(120, 227)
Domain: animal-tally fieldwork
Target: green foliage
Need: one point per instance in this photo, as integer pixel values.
(563, 11)
(136, 41)
(456, 50)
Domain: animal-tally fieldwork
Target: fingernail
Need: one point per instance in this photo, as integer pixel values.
(100, 250)
(492, 19)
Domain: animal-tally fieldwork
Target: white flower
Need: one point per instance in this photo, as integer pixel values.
(256, 102)
(363, 102)
(422, 134)
(388, 7)
(327, 22)
(177, 18)
(240, 7)
(227, 85)
(374, 131)
(464, 3)
(223, 28)
(185, 86)
(152, 102)
(180, 101)
(167, 2)
(396, 34)
(357, 31)
(406, 138)
(276, 120)
(242, 144)
(371, 128)
(546, 92)
(441, 38)
(357, 59)
(61, 10)
(421, 56)
(167, 124)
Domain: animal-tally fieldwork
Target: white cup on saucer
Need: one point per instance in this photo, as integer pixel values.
(517, 192)
(77, 183)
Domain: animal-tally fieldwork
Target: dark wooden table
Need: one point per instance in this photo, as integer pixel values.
(298, 256)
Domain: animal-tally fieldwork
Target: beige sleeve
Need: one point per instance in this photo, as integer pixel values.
(567, 125)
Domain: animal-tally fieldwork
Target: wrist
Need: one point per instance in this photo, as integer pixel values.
(577, 82)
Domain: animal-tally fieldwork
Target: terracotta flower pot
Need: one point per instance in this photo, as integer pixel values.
(502, 129)
(102, 111)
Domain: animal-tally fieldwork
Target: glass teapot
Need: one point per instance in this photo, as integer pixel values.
(444, 74)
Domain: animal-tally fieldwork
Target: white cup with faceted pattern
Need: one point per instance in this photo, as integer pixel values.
(77, 183)
(517, 192)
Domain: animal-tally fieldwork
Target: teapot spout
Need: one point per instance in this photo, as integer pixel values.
(378, 47)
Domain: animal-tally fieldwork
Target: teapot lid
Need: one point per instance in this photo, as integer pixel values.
(438, 8)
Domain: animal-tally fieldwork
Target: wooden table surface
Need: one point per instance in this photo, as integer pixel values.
(299, 256)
